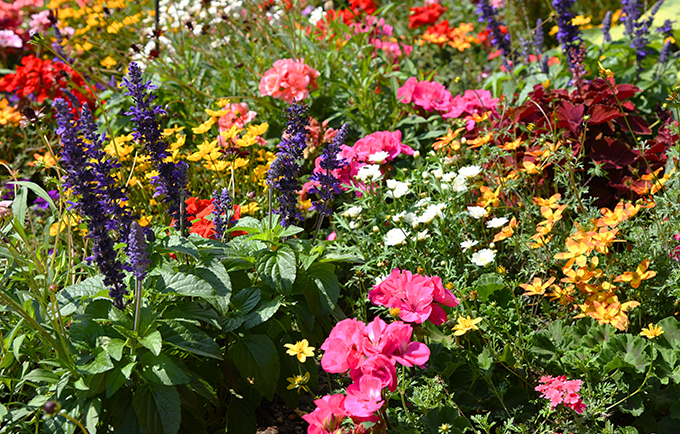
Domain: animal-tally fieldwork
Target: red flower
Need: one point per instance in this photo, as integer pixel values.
(367, 6)
(199, 209)
(425, 15)
(45, 79)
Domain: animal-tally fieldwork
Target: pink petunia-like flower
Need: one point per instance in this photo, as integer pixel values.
(472, 102)
(9, 39)
(328, 415)
(40, 22)
(378, 366)
(559, 390)
(414, 295)
(344, 347)
(238, 115)
(289, 80)
(427, 95)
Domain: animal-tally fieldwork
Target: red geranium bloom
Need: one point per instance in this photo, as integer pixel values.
(199, 209)
(425, 15)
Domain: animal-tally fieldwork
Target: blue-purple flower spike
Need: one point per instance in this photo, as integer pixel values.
(136, 250)
(606, 26)
(222, 206)
(487, 14)
(568, 34)
(83, 177)
(284, 170)
(172, 181)
(329, 185)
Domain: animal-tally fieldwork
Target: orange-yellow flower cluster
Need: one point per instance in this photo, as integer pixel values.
(456, 37)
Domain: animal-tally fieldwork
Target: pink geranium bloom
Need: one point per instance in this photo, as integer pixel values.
(387, 141)
(378, 366)
(431, 96)
(328, 415)
(364, 398)
(343, 347)
(398, 340)
(405, 92)
(238, 114)
(560, 390)
(289, 80)
(9, 39)
(40, 22)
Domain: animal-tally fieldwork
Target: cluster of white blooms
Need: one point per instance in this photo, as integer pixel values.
(369, 172)
(316, 15)
(431, 212)
(379, 157)
(353, 213)
(483, 257)
(395, 237)
(396, 189)
(476, 212)
(176, 14)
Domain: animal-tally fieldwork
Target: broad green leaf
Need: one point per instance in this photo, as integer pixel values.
(190, 338)
(41, 376)
(278, 268)
(153, 342)
(184, 284)
(484, 359)
(70, 298)
(101, 363)
(35, 188)
(487, 284)
(177, 244)
(257, 360)
(114, 380)
(92, 410)
(241, 417)
(161, 369)
(262, 312)
(158, 408)
(320, 287)
(216, 275)
(115, 348)
(245, 300)
(625, 351)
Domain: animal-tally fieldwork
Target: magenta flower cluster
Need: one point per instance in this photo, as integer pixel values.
(370, 353)
(418, 298)
(675, 254)
(559, 390)
(432, 96)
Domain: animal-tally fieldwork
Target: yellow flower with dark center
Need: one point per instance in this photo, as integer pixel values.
(652, 331)
(298, 382)
(301, 350)
(466, 324)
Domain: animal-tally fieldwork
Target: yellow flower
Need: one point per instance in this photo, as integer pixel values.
(204, 127)
(466, 324)
(208, 151)
(109, 62)
(652, 331)
(258, 130)
(250, 208)
(298, 382)
(301, 350)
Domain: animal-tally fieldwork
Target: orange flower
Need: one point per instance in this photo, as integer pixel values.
(551, 202)
(576, 251)
(479, 141)
(507, 231)
(621, 213)
(448, 141)
(636, 277)
(537, 287)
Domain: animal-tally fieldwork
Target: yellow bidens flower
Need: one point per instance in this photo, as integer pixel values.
(652, 331)
(466, 324)
(109, 62)
(301, 350)
(298, 382)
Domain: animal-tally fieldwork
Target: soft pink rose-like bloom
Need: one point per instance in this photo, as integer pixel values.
(364, 397)
(328, 415)
(40, 22)
(471, 102)
(415, 296)
(9, 39)
(428, 95)
(238, 115)
(560, 390)
(289, 80)
(405, 92)
(343, 347)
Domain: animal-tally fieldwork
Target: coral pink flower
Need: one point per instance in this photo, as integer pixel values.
(432, 96)
(343, 347)
(328, 415)
(405, 92)
(364, 397)
(560, 390)
(238, 115)
(387, 141)
(471, 102)
(289, 80)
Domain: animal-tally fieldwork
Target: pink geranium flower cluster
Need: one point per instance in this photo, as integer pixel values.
(381, 36)
(289, 80)
(433, 96)
(370, 353)
(675, 254)
(560, 390)
(418, 298)
(385, 143)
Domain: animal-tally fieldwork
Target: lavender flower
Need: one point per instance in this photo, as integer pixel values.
(665, 53)
(83, 180)
(568, 34)
(666, 29)
(136, 250)
(606, 26)
(539, 36)
(487, 14)
(222, 205)
(638, 28)
(284, 170)
(329, 185)
(171, 181)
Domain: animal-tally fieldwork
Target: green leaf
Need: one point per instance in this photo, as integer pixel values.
(161, 369)
(157, 408)
(41, 376)
(153, 342)
(70, 298)
(321, 288)
(289, 231)
(262, 312)
(184, 284)
(487, 284)
(101, 363)
(115, 348)
(257, 360)
(177, 244)
(92, 410)
(484, 359)
(625, 351)
(438, 416)
(241, 417)
(190, 338)
(245, 300)
(114, 380)
(278, 268)
(35, 188)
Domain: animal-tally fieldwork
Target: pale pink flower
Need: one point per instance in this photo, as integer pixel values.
(40, 22)
(9, 39)
(428, 95)
(289, 80)
(238, 115)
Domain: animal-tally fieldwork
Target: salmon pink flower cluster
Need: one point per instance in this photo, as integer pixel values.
(375, 148)
(370, 353)
(289, 80)
(418, 298)
(559, 390)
